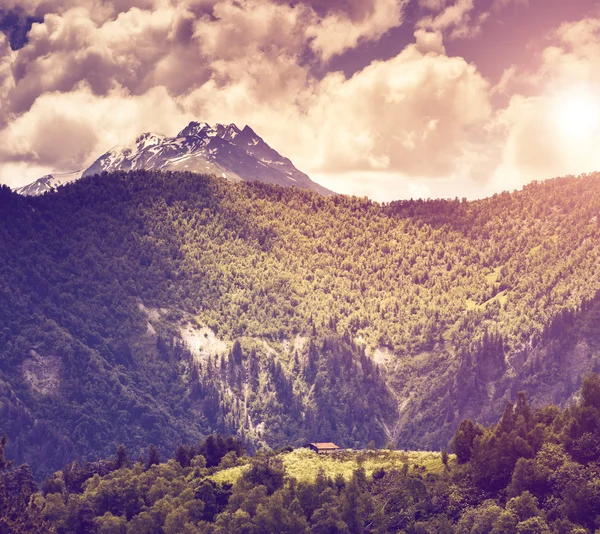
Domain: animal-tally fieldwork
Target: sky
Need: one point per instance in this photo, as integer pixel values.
(389, 99)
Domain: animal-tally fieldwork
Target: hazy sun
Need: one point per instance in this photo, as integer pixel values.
(577, 113)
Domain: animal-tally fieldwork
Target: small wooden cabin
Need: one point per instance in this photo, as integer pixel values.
(322, 448)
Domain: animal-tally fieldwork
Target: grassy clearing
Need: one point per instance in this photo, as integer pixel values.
(230, 475)
(471, 304)
(303, 464)
(492, 277)
(501, 297)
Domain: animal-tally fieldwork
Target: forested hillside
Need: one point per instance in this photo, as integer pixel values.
(146, 308)
(535, 472)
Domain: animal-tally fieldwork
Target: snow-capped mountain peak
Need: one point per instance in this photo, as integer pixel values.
(223, 150)
(48, 183)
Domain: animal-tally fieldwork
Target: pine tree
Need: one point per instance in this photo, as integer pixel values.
(153, 457)
(122, 459)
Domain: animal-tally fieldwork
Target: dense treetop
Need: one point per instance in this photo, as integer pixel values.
(262, 260)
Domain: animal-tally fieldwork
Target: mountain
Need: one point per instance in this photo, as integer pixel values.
(148, 307)
(222, 150)
(48, 183)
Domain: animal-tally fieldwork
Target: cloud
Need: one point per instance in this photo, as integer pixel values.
(433, 5)
(457, 18)
(537, 148)
(501, 4)
(71, 48)
(61, 131)
(505, 82)
(380, 185)
(238, 30)
(546, 134)
(6, 61)
(576, 55)
(337, 33)
(332, 26)
(182, 45)
(355, 10)
(429, 42)
(410, 114)
(15, 25)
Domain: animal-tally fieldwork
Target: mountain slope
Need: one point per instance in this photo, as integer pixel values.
(154, 307)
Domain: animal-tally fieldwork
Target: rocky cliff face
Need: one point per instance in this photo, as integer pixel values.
(437, 389)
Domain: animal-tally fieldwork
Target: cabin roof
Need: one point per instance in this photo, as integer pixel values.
(327, 445)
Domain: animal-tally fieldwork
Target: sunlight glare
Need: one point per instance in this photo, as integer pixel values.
(577, 113)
